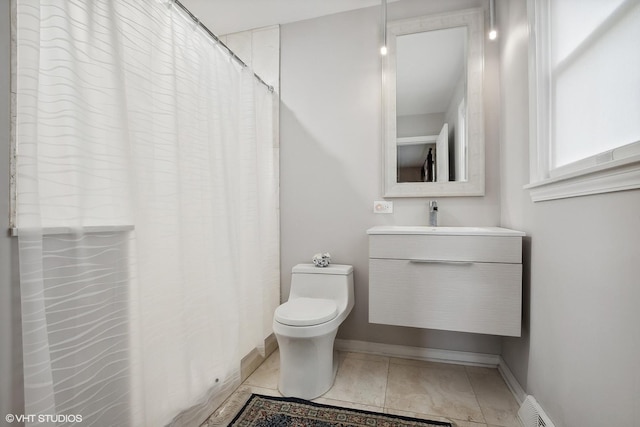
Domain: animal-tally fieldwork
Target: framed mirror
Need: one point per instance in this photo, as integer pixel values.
(433, 96)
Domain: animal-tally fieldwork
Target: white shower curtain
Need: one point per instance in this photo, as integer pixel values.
(147, 214)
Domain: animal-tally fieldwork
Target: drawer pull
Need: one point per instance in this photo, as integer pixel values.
(436, 261)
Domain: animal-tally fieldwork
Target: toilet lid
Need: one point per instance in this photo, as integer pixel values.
(306, 311)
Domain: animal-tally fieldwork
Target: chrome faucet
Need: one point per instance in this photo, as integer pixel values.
(433, 213)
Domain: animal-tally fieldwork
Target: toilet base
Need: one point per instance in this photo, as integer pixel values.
(308, 366)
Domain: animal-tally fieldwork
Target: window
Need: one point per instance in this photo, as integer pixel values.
(584, 97)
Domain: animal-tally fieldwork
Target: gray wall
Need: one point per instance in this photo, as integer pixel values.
(580, 356)
(11, 394)
(331, 165)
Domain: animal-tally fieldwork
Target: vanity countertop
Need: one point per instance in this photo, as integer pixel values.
(444, 231)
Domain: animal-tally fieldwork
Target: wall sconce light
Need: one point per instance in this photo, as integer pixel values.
(493, 32)
(383, 48)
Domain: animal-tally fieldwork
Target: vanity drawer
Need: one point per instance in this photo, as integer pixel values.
(503, 249)
(455, 296)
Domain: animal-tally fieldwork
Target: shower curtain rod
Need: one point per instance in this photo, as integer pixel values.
(217, 40)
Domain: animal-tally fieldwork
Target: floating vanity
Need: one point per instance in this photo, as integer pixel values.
(466, 279)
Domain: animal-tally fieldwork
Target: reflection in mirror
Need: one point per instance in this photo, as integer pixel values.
(433, 103)
(430, 106)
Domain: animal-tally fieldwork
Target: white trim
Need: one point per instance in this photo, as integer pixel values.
(617, 169)
(628, 153)
(88, 229)
(473, 19)
(13, 10)
(617, 175)
(416, 140)
(419, 353)
(255, 358)
(538, 91)
(514, 386)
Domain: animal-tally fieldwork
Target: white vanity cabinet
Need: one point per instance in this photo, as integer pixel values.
(466, 279)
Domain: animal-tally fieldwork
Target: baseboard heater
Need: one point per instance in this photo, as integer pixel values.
(531, 414)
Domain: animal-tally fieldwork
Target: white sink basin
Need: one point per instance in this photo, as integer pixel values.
(462, 231)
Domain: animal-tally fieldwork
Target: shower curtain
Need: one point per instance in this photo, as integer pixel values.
(147, 214)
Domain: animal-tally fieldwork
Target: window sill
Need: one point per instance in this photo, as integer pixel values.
(91, 229)
(616, 175)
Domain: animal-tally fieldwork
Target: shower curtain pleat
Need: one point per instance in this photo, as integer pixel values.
(147, 188)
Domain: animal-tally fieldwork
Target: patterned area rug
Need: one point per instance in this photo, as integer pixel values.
(264, 411)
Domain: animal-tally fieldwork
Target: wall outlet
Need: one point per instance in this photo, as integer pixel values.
(382, 206)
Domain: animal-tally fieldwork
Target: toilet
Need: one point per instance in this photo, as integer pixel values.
(306, 326)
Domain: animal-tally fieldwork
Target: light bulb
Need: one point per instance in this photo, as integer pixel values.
(383, 50)
(493, 34)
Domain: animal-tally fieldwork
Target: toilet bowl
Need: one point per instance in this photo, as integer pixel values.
(306, 326)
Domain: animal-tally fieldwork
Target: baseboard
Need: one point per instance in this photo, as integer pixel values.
(254, 359)
(438, 355)
(419, 353)
(513, 384)
(251, 362)
(270, 344)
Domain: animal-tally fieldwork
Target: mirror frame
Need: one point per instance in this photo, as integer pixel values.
(473, 19)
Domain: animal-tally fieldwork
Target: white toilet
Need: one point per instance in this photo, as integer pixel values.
(306, 326)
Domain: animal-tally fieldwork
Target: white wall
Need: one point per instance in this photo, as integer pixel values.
(580, 355)
(11, 392)
(331, 165)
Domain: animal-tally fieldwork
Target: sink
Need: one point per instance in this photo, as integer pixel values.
(445, 231)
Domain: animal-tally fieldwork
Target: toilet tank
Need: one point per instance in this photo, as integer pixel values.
(333, 282)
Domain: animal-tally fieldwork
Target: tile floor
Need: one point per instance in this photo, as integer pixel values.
(466, 396)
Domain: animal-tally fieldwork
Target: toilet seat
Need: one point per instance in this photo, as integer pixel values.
(306, 311)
